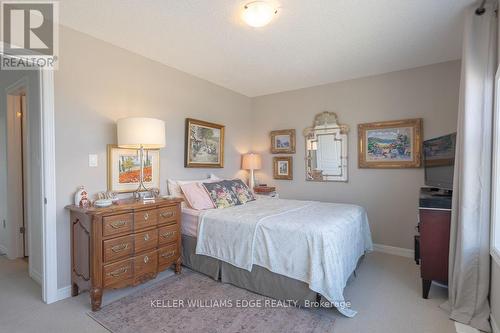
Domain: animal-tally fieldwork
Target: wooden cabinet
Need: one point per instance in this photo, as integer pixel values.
(434, 244)
(123, 245)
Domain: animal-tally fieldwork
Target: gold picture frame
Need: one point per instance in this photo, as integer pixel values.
(390, 144)
(283, 141)
(283, 167)
(124, 167)
(203, 144)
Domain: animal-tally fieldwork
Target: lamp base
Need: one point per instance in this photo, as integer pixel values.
(251, 180)
(146, 196)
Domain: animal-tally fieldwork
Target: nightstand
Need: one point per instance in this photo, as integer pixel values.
(267, 191)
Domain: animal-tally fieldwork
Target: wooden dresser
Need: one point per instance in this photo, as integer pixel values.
(123, 245)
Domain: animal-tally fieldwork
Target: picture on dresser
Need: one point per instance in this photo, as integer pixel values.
(283, 167)
(390, 144)
(204, 144)
(283, 141)
(124, 169)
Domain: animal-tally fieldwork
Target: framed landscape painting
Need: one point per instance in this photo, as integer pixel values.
(124, 169)
(283, 167)
(283, 141)
(390, 144)
(204, 144)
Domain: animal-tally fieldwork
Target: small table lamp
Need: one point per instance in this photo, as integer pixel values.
(251, 161)
(141, 133)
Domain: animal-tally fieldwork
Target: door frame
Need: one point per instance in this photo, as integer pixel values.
(49, 224)
(48, 174)
(15, 248)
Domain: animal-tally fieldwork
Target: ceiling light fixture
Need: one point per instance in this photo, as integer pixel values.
(258, 13)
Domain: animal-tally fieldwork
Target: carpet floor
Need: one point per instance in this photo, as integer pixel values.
(192, 302)
(386, 293)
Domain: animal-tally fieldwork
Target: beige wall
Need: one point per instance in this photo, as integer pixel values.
(390, 196)
(96, 84)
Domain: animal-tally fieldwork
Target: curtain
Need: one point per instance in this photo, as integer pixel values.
(469, 266)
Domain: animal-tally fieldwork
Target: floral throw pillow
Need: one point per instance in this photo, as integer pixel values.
(241, 190)
(221, 195)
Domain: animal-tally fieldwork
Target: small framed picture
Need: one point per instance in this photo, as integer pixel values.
(124, 169)
(283, 167)
(283, 141)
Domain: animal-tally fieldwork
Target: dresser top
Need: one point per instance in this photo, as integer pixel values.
(125, 204)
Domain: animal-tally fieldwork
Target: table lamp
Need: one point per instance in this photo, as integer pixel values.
(141, 133)
(251, 161)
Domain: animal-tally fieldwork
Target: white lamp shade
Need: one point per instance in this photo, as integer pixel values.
(251, 161)
(135, 132)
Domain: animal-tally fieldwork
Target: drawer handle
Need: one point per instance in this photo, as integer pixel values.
(146, 259)
(146, 237)
(118, 224)
(146, 216)
(118, 272)
(168, 254)
(167, 214)
(118, 248)
(168, 234)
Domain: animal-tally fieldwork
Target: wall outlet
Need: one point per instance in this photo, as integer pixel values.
(92, 160)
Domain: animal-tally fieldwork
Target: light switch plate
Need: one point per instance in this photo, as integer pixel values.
(92, 160)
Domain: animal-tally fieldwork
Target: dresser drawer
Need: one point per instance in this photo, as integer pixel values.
(145, 266)
(146, 240)
(168, 234)
(167, 215)
(167, 256)
(117, 248)
(116, 224)
(118, 273)
(145, 219)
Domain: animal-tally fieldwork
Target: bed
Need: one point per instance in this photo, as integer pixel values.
(284, 249)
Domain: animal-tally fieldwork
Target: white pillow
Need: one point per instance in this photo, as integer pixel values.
(174, 186)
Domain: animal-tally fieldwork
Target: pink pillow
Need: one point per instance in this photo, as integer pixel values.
(197, 196)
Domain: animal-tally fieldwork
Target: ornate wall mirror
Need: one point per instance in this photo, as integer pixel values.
(326, 149)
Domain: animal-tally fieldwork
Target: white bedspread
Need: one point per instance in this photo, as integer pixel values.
(314, 242)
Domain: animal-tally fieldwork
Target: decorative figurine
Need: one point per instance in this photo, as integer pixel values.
(82, 197)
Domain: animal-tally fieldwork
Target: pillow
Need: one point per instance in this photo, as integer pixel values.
(213, 177)
(174, 185)
(197, 196)
(241, 190)
(221, 195)
(174, 188)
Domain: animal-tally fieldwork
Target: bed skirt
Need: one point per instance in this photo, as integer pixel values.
(260, 280)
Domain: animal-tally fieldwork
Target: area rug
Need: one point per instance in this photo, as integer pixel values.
(191, 302)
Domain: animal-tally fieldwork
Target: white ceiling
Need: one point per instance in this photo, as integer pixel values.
(310, 42)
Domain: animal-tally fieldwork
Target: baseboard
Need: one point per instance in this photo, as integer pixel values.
(36, 276)
(494, 325)
(397, 251)
(63, 293)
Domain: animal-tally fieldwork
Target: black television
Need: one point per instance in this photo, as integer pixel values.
(439, 161)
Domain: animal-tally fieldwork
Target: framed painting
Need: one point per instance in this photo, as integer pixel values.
(283, 167)
(204, 144)
(124, 169)
(390, 144)
(283, 141)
